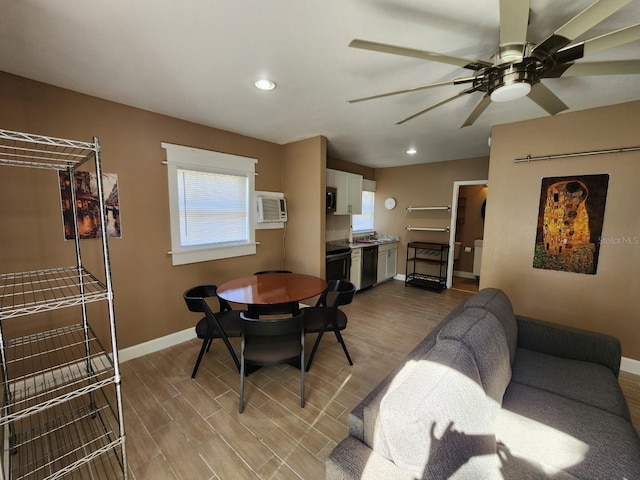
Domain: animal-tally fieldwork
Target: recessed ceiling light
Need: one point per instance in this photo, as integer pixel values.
(412, 151)
(265, 84)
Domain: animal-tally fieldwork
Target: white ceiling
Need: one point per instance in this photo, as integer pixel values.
(197, 60)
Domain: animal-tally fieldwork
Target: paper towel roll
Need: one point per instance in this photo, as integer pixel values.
(467, 249)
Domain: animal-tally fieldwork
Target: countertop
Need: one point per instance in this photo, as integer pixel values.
(379, 240)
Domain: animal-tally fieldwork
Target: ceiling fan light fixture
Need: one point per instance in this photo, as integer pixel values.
(511, 91)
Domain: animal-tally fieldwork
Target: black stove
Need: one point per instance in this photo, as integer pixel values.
(336, 249)
(338, 262)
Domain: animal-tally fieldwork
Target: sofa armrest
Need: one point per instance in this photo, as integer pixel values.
(569, 342)
(352, 459)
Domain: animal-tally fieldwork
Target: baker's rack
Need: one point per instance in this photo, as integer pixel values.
(62, 400)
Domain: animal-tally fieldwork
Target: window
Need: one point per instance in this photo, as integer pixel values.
(364, 222)
(209, 198)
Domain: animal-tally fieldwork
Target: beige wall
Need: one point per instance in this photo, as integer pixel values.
(148, 289)
(304, 178)
(429, 184)
(607, 301)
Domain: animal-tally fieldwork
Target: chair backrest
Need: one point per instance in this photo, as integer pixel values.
(272, 327)
(272, 271)
(278, 308)
(338, 292)
(195, 299)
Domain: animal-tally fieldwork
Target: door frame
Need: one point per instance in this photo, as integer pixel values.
(453, 224)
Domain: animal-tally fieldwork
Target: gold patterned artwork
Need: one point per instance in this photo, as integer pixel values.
(570, 223)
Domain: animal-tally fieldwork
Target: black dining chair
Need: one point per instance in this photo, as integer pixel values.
(327, 317)
(223, 324)
(275, 309)
(269, 341)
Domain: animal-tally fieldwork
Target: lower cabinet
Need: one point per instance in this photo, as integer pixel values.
(356, 267)
(387, 261)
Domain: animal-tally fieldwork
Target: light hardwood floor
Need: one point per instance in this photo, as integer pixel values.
(179, 428)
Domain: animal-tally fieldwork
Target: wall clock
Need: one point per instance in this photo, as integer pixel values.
(390, 203)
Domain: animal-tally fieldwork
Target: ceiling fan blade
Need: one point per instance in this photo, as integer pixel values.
(613, 39)
(422, 54)
(477, 111)
(579, 24)
(546, 99)
(514, 20)
(614, 67)
(397, 92)
(598, 44)
(439, 104)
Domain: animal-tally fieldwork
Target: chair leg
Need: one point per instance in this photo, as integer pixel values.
(205, 342)
(241, 406)
(209, 343)
(315, 347)
(231, 352)
(302, 373)
(344, 347)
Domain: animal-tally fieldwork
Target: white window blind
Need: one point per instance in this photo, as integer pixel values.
(213, 208)
(210, 194)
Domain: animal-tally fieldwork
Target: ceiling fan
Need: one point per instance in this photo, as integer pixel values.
(518, 66)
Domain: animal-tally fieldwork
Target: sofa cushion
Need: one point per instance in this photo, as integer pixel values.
(363, 419)
(586, 382)
(495, 301)
(437, 419)
(480, 331)
(562, 434)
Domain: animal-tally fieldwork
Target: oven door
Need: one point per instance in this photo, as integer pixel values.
(338, 266)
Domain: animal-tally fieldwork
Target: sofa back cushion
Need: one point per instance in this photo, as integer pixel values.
(497, 302)
(437, 419)
(481, 332)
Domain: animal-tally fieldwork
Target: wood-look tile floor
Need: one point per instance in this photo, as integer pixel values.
(179, 428)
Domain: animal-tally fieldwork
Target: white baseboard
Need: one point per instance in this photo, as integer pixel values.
(463, 274)
(156, 344)
(161, 343)
(630, 365)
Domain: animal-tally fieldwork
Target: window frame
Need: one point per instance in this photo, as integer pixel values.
(372, 213)
(195, 159)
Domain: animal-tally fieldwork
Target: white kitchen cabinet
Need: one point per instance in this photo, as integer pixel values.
(331, 178)
(356, 267)
(349, 196)
(387, 261)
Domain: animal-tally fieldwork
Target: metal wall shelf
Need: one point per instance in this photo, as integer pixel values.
(413, 209)
(427, 229)
(62, 402)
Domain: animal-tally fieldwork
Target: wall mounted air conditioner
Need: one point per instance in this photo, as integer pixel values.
(271, 209)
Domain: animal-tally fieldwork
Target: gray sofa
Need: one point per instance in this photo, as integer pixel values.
(489, 394)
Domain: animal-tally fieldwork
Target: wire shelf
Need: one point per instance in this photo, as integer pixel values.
(62, 397)
(49, 368)
(79, 436)
(37, 151)
(25, 293)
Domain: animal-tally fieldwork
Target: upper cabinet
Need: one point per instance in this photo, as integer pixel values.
(349, 188)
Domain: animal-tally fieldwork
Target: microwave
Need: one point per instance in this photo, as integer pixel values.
(332, 195)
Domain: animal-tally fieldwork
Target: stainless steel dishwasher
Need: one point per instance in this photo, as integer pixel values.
(369, 266)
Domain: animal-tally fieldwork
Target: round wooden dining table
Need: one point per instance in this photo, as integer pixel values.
(271, 288)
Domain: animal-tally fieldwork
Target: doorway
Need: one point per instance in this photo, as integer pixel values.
(466, 226)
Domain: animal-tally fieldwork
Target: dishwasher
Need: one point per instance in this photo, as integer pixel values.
(369, 266)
